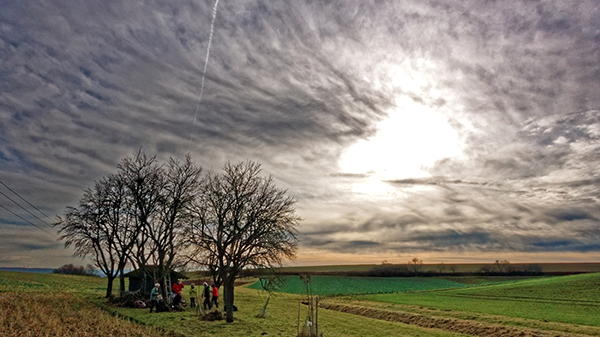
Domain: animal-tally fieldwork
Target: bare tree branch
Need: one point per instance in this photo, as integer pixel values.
(241, 220)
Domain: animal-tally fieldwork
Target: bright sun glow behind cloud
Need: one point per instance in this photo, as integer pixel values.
(413, 138)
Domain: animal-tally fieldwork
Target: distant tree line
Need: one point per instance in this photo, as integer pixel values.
(175, 214)
(415, 267)
(71, 269)
(505, 267)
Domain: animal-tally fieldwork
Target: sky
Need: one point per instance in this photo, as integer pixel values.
(452, 131)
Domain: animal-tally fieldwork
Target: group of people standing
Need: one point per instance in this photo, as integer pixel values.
(210, 294)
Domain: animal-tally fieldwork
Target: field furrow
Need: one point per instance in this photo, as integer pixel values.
(462, 326)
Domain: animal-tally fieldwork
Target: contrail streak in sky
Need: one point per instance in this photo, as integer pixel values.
(212, 25)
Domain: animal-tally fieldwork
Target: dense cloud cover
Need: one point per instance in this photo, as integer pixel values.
(436, 128)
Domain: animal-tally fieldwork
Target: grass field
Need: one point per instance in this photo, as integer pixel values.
(592, 267)
(565, 303)
(335, 285)
(83, 286)
(61, 305)
(23, 292)
(571, 299)
(282, 320)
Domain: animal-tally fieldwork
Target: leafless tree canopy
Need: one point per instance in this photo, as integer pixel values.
(159, 200)
(241, 220)
(137, 215)
(151, 214)
(144, 182)
(99, 229)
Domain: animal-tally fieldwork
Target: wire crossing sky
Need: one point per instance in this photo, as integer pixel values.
(23, 208)
(27, 221)
(6, 209)
(449, 130)
(27, 202)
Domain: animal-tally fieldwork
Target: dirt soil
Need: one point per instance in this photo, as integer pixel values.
(449, 324)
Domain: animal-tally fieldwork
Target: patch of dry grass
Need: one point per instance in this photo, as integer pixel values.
(62, 314)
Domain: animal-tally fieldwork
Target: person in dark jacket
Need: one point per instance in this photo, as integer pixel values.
(206, 294)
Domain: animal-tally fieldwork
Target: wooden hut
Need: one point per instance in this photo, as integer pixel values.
(145, 279)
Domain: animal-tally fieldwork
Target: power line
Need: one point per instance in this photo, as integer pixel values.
(28, 203)
(29, 222)
(26, 210)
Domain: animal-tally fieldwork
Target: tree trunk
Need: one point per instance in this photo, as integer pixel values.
(228, 297)
(121, 282)
(166, 287)
(109, 286)
(263, 313)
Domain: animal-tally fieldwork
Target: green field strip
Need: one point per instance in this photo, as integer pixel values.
(591, 303)
(341, 285)
(575, 288)
(551, 312)
(558, 327)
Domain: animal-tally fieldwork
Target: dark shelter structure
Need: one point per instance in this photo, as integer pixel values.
(144, 279)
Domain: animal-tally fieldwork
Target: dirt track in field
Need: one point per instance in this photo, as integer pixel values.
(449, 324)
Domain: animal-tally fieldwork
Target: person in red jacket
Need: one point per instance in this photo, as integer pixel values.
(215, 296)
(177, 288)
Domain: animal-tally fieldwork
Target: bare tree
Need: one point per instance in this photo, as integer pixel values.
(120, 221)
(160, 197)
(165, 233)
(143, 181)
(502, 265)
(416, 265)
(87, 230)
(241, 220)
(134, 216)
(102, 226)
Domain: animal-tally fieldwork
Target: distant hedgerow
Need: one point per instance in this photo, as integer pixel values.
(71, 269)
